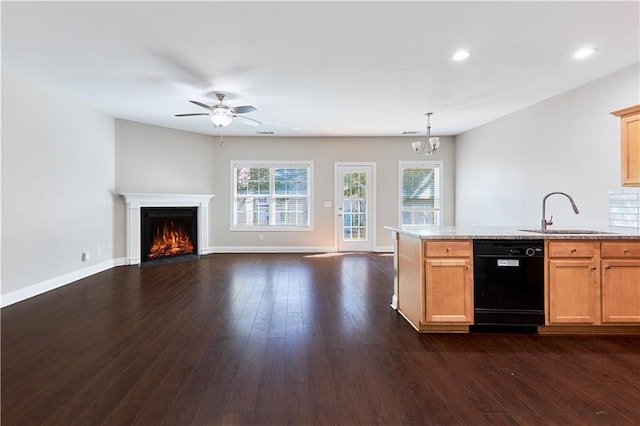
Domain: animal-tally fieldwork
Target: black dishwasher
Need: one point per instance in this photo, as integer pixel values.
(508, 283)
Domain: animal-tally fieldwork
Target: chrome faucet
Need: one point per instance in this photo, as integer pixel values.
(546, 222)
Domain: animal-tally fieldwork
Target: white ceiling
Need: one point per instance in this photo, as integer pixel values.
(318, 68)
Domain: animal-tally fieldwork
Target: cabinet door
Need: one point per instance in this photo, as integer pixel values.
(573, 292)
(631, 150)
(630, 144)
(449, 291)
(621, 291)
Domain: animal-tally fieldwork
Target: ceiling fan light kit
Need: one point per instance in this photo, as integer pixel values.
(222, 115)
(428, 146)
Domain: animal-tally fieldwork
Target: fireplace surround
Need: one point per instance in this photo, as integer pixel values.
(135, 202)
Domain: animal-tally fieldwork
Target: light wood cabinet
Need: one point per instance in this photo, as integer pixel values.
(435, 283)
(448, 282)
(593, 283)
(620, 282)
(410, 278)
(630, 144)
(591, 286)
(572, 283)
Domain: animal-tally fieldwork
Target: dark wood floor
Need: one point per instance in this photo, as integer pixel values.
(296, 339)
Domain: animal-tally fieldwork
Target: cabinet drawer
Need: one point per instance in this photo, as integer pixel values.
(624, 249)
(572, 249)
(448, 248)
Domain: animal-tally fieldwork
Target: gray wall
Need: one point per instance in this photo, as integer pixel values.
(58, 179)
(155, 159)
(384, 152)
(568, 143)
(151, 159)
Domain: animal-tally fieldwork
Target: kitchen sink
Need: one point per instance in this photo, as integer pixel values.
(565, 231)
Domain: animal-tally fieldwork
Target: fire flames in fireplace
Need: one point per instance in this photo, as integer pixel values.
(170, 239)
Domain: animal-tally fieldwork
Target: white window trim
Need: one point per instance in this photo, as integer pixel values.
(419, 164)
(270, 164)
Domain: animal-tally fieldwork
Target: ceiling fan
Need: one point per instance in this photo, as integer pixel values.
(222, 115)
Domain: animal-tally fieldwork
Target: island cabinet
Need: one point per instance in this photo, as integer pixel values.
(620, 282)
(435, 284)
(572, 283)
(630, 144)
(448, 282)
(592, 286)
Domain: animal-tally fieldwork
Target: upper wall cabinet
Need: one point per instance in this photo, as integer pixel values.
(630, 134)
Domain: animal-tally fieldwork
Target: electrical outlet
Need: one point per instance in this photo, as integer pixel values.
(85, 256)
(261, 237)
(98, 250)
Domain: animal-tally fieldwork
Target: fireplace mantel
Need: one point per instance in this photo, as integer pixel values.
(135, 201)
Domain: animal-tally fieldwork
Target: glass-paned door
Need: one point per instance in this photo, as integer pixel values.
(353, 200)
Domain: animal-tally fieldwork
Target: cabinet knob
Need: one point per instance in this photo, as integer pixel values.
(448, 249)
(573, 250)
(593, 268)
(607, 267)
(626, 251)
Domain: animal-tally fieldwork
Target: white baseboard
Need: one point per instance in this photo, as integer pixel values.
(53, 283)
(383, 249)
(285, 249)
(270, 249)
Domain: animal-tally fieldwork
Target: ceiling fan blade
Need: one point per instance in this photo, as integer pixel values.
(243, 109)
(193, 113)
(201, 104)
(249, 121)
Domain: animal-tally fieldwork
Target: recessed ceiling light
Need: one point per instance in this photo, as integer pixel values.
(461, 55)
(585, 52)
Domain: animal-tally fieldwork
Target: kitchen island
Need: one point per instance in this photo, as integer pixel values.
(591, 277)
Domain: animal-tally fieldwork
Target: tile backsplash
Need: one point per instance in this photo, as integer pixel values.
(624, 207)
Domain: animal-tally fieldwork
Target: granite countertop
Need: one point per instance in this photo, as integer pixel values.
(516, 233)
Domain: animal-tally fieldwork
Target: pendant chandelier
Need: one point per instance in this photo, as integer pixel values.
(430, 144)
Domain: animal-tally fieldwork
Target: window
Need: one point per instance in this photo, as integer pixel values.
(420, 193)
(271, 195)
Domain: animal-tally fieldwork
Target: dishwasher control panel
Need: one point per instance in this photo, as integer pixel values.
(509, 248)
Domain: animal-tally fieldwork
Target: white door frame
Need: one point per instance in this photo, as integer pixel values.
(371, 208)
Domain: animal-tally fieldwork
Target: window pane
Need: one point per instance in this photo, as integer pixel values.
(291, 181)
(355, 185)
(251, 211)
(420, 196)
(267, 196)
(252, 181)
(354, 206)
(292, 212)
(420, 218)
(354, 215)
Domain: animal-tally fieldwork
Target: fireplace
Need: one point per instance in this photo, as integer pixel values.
(168, 232)
(136, 203)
